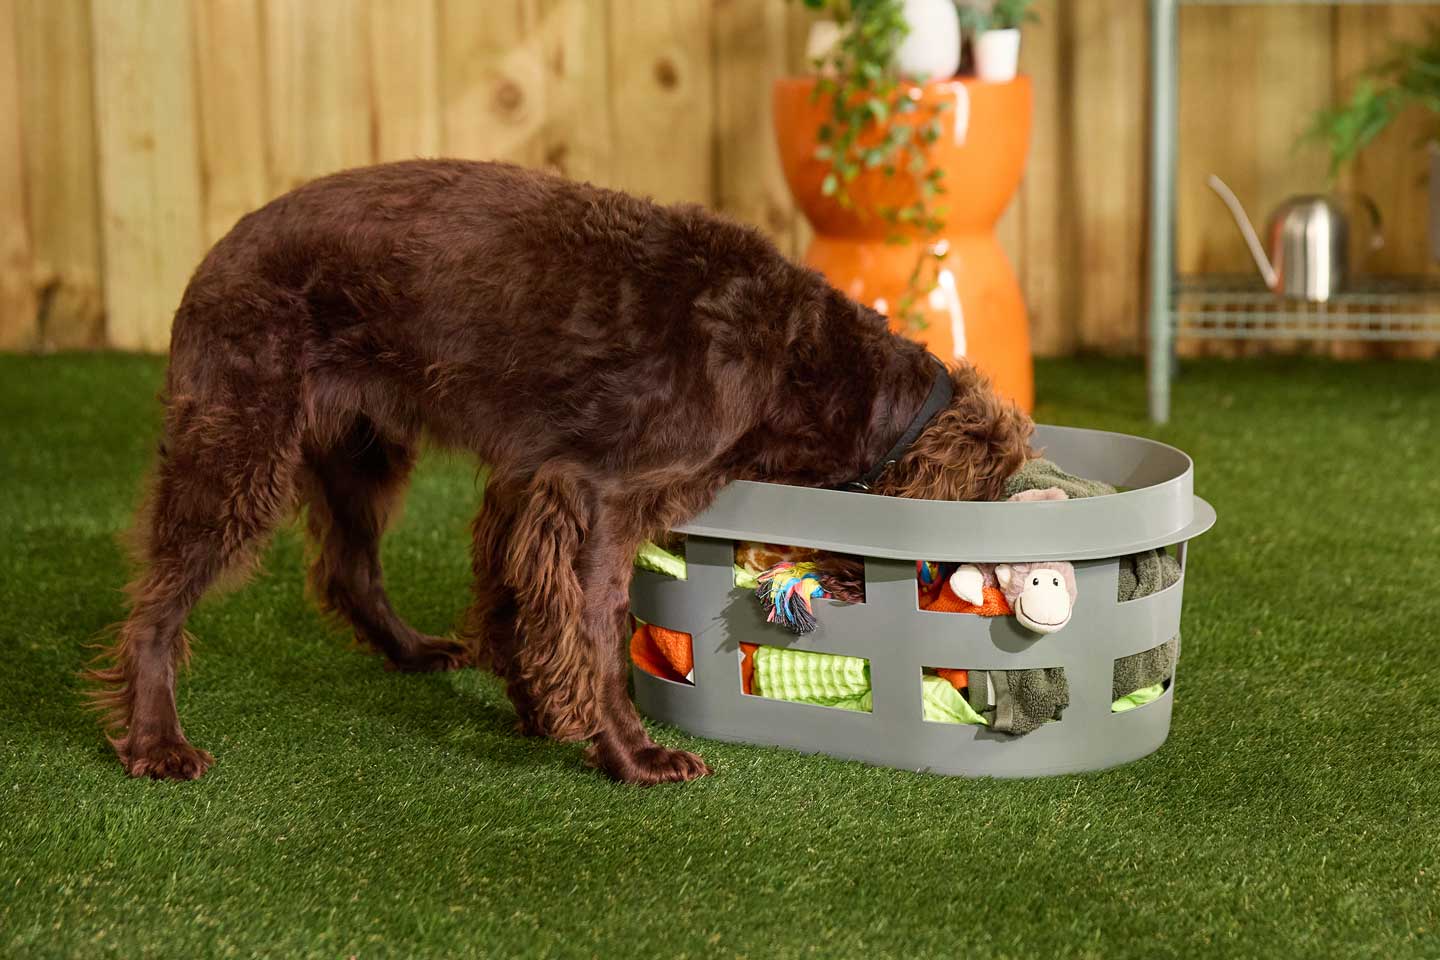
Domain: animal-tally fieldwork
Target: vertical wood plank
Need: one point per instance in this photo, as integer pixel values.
(1394, 169)
(1046, 256)
(1250, 80)
(18, 317)
(318, 89)
(1107, 103)
(492, 80)
(230, 71)
(799, 19)
(1010, 231)
(577, 131)
(62, 183)
(797, 40)
(750, 52)
(662, 98)
(405, 78)
(149, 164)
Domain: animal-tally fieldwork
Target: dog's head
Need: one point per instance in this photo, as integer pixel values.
(968, 451)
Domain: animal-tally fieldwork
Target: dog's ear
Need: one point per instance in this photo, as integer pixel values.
(968, 451)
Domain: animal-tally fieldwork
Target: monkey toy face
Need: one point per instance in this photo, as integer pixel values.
(1041, 594)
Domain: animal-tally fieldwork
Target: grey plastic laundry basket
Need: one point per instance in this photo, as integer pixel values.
(1158, 508)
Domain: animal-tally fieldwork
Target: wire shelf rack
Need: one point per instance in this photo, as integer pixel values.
(1392, 308)
(1373, 308)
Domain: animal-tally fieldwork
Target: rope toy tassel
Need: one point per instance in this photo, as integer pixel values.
(785, 592)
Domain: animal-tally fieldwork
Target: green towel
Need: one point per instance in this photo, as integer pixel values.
(1138, 699)
(1142, 575)
(1024, 699)
(801, 676)
(1041, 474)
(944, 704)
(1144, 670)
(1146, 573)
(657, 559)
(1018, 701)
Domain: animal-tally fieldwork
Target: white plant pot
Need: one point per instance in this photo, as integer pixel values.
(821, 41)
(997, 55)
(931, 49)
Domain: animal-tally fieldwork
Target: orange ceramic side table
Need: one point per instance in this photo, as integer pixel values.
(976, 310)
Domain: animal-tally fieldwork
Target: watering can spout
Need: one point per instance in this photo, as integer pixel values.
(1247, 230)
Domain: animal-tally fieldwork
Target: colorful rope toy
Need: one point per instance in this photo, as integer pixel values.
(785, 592)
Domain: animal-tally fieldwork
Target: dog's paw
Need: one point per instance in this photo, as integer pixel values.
(655, 764)
(433, 655)
(529, 726)
(166, 759)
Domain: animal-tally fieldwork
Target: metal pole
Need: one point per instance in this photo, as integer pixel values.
(1164, 55)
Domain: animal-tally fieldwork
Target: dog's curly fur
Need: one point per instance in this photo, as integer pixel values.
(615, 363)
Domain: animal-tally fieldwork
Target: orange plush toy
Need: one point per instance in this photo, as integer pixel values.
(937, 595)
(667, 654)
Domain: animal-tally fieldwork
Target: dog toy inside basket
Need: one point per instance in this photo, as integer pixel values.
(885, 656)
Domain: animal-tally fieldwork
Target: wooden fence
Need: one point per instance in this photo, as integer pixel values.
(134, 132)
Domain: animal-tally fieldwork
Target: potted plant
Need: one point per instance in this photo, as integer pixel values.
(930, 48)
(1409, 78)
(878, 127)
(996, 36)
(872, 154)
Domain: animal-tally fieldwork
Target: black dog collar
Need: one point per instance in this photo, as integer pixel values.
(941, 393)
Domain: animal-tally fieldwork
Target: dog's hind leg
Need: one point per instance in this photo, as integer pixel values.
(489, 626)
(353, 486)
(225, 477)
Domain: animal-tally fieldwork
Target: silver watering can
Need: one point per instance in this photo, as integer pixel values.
(1309, 242)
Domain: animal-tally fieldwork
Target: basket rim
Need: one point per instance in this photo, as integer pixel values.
(1161, 509)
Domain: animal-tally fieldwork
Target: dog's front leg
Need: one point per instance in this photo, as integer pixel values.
(569, 560)
(622, 748)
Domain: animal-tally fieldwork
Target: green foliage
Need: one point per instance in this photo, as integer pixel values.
(1004, 15)
(868, 99)
(1411, 77)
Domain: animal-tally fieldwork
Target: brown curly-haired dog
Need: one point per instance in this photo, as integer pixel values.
(615, 362)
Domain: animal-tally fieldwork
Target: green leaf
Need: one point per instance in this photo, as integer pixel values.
(829, 185)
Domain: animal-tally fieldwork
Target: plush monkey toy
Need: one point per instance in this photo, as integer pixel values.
(1041, 594)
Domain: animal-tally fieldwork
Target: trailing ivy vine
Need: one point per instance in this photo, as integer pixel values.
(1409, 77)
(877, 122)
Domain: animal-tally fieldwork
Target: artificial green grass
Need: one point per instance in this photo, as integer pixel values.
(352, 811)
